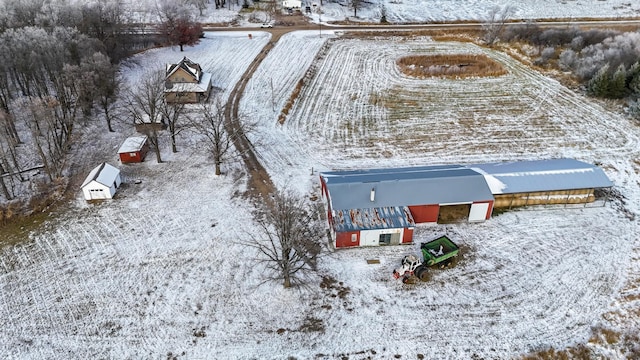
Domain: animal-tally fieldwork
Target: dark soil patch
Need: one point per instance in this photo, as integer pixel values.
(450, 66)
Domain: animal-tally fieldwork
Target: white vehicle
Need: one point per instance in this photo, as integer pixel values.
(411, 267)
(266, 25)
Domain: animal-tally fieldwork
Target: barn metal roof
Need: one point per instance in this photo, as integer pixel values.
(423, 185)
(542, 175)
(104, 174)
(372, 218)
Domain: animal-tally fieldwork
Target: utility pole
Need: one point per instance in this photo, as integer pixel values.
(320, 19)
(273, 99)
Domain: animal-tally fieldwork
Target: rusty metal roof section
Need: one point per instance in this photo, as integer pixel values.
(372, 218)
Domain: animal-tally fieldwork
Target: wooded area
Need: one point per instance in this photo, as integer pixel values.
(58, 70)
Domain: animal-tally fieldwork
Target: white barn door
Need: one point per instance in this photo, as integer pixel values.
(478, 212)
(369, 237)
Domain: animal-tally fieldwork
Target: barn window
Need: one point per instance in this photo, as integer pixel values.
(385, 239)
(132, 154)
(354, 237)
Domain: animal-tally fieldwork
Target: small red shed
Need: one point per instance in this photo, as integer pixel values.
(133, 149)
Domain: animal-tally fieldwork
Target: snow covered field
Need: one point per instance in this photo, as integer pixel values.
(404, 11)
(160, 271)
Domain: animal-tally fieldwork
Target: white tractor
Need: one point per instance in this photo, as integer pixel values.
(439, 252)
(411, 270)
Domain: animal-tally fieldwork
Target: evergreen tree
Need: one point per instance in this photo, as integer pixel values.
(599, 83)
(617, 85)
(633, 79)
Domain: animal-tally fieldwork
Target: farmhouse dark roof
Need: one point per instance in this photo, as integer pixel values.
(423, 185)
(373, 218)
(542, 175)
(187, 65)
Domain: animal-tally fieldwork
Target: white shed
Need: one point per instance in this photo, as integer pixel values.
(291, 4)
(101, 183)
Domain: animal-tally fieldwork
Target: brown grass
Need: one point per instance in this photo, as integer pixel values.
(606, 335)
(450, 66)
(291, 101)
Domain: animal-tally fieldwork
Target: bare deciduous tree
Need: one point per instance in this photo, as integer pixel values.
(7, 146)
(51, 132)
(220, 3)
(356, 4)
(290, 240)
(144, 105)
(173, 113)
(107, 85)
(177, 25)
(495, 22)
(209, 121)
(201, 5)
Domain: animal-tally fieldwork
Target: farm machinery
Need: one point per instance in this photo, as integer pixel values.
(438, 252)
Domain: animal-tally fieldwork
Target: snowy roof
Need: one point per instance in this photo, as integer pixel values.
(372, 218)
(423, 185)
(104, 174)
(132, 144)
(201, 87)
(542, 175)
(187, 65)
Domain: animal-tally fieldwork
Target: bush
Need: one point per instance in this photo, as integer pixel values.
(548, 53)
(634, 109)
(527, 32)
(557, 37)
(567, 59)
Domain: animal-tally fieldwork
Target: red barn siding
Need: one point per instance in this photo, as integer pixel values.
(130, 157)
(407, 236)
(344, 239)
(134, 156)
(425, 213)
(489, 210)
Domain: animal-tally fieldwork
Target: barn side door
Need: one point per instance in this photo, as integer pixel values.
(479, 212)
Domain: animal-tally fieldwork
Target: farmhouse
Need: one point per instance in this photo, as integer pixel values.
(133, 149)
(185, 82)
(381, 206)
(101, 183)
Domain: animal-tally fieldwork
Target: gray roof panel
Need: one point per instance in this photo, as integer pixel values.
(542, 175)
(448, 184)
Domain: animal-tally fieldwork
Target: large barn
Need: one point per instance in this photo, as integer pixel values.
(416, 195)
(381, 206)
(101, 183)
